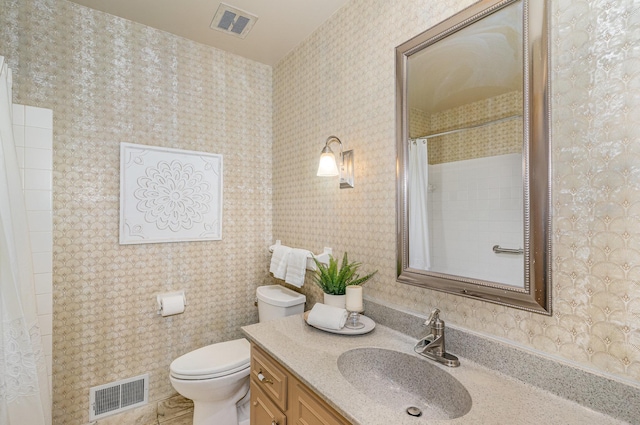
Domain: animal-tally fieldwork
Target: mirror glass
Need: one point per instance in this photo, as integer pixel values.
(473, 129)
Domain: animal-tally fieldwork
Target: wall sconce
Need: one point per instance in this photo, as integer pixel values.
(329, 168)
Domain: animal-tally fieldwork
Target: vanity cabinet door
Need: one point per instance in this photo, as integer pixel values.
(305, 408)
(263, 411)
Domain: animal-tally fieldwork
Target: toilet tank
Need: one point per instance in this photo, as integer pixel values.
(275, 301)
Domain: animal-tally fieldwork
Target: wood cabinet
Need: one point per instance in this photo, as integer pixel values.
(270, 376)
(278, 397)
(263, 410)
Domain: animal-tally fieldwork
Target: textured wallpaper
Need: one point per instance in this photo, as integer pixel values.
(109, 81)
(497, 138)
(341, 81)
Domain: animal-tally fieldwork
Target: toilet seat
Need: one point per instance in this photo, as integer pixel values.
(213, 361)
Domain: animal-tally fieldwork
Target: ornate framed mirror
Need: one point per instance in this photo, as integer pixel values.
(473, 152)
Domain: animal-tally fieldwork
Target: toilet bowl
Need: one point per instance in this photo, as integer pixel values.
(216, 377)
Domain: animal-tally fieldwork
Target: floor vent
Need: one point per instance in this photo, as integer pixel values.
(233, 21)
(115, 397)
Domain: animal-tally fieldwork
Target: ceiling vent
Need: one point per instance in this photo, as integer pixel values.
(233, 21)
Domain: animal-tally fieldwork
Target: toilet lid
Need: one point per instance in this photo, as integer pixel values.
(213, 361)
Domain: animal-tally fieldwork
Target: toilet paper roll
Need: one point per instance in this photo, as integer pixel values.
(173, 304)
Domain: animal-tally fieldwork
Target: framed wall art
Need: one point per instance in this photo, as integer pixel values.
(169, 195)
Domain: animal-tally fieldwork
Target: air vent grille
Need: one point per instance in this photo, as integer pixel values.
(116, 397)
(233, 21)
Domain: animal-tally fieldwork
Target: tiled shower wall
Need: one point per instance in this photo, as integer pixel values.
(108, 81)
(33, 134)
(474, 205)
(341, 81)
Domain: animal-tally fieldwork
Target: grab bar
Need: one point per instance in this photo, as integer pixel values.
(499, 250)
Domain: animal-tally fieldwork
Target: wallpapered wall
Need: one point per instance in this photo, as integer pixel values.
(341, 81)
(109, 81)
(499, 138)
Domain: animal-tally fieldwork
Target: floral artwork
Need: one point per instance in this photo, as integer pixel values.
(169, 195)
(173, 195)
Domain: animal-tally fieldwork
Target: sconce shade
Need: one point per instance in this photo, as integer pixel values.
(327, 167)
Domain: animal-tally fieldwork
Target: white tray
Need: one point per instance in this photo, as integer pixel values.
(368, 323)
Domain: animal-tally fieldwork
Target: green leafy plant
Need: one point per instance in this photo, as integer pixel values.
(334, 280)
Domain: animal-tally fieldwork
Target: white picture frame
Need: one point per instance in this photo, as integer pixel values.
(169, 195)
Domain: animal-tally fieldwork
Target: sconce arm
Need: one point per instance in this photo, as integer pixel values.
(332, 139)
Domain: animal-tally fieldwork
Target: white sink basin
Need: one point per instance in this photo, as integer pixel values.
(402, 381)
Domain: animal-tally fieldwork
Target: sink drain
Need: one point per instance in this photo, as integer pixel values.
(414, 411)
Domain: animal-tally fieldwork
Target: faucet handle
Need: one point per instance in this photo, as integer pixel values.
(433, 317)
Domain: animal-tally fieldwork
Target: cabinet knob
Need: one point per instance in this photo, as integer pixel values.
(274, 423)
(263, 379)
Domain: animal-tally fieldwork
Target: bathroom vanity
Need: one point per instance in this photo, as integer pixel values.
(278, 397)
(310, 378)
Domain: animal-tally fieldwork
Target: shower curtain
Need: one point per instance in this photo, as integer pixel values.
(24, 388)
(419, 256)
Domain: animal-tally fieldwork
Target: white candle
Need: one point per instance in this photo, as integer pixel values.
(354, 298)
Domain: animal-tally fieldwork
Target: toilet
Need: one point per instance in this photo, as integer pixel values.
(216, 377)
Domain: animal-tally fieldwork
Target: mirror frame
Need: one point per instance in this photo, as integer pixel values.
(536, 294)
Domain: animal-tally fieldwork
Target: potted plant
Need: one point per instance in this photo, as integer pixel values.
(333, 280)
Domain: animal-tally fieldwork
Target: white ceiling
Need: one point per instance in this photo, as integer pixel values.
(281, 24)
(481, 61)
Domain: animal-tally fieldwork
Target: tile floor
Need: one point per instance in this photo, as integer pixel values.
(176, 410)
(183, 419)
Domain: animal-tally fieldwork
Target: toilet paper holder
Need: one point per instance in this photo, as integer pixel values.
(159, 298)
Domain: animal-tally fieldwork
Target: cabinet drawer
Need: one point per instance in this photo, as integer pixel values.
(263, 411)
(269, 376)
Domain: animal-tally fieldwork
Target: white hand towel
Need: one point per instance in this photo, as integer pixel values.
(279, 261)
(297, 267)
(327, 316)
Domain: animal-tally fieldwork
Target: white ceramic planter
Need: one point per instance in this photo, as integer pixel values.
(335, 300)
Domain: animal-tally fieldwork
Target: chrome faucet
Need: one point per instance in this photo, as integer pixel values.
(432, 346)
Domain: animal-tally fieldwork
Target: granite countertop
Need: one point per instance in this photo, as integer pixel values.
(312, 356)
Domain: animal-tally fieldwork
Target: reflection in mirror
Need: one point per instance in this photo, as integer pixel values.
(472, 130)
(465, 127)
